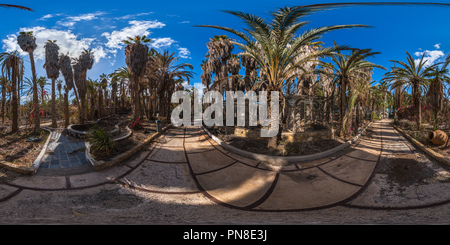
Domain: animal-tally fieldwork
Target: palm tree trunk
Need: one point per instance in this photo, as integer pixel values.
(343, 107)
(92, 107)
(15, 126)
(37, 119)
(83, 110)
(54, 123)
(136, 99)
(100, 103)
(417, 104)
(3, 102)
(66, 109)
(78, 100)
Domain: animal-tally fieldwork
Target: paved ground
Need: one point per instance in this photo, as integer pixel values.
(185, 178)
(64, 152)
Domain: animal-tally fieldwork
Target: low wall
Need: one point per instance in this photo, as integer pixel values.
(307, 136)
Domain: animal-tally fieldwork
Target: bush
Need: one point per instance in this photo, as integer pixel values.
(102, 144)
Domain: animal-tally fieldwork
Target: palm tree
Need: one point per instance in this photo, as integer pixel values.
(347, 69)
(103, 86)
(91, 87)
(136, 59)
(59, 84)
(384, 89)
(123, 75)
(67, 72)
(42, 81)
(411, 75)
(80, 67)
(27, 43)
(12, 64)
(206, 74)
(219, 52)
(3, 83)
(435, 94)
(51, 65)
(169, 74)
(276, 48)
(251, 72)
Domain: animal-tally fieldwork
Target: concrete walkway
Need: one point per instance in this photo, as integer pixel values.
(184, 175)
(63, 152)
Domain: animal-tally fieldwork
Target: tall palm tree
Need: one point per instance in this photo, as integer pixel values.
(51, 65)
(346, 68)
(114, 87)
(136, 60)
(219, 52)
(67, 72)
(42, 81)
(84, 62)
(123, 75)
(251, 72)
(91, 88)
(3, 83)
(102, 92)
(412, 75)
(59, 84)
(435, 94)
(169, 74)
(27, 43)
(12, 65)
(234, 66)
(206, 75)
(276, 46)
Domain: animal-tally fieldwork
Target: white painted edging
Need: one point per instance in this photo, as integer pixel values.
(280, 160)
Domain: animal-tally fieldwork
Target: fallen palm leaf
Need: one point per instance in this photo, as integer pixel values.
(77, 213)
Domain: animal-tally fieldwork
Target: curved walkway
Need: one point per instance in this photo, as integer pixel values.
(188, 162)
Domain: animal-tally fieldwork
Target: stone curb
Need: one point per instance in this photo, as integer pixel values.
(98, 165)
(281, 160)
(30, 170)
(433, 154)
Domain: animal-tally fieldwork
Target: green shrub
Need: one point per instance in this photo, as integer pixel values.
(102, 144)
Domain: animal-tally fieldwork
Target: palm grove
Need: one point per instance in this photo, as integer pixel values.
(273, 57)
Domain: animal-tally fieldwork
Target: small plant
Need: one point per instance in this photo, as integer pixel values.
(102, 144)
(137, 124)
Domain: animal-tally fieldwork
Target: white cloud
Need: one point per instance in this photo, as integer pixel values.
(99, 53)
(131, 16)
(161, 42)
(48, 16)
(89, 16)
(185, 22)
(437, 45)
(71, 20)
(136, 28)
(184, 53)
(430, 56)
(66, 40)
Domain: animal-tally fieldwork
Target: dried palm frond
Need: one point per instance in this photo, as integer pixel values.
(51, 64)
(79, 76)
(27, 41)
(15, 6)
(66, 70)
(136, 58)
(86, 59)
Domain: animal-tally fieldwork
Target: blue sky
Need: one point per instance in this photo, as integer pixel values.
(101, 25)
